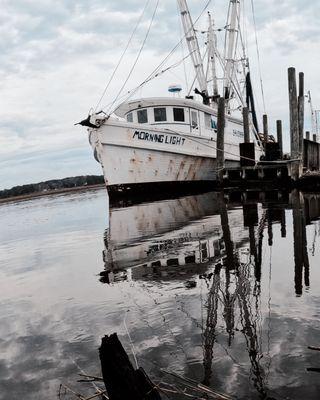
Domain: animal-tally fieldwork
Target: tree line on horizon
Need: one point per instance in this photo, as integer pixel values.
(51, 185)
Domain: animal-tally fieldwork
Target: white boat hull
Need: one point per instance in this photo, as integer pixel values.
(132, 154)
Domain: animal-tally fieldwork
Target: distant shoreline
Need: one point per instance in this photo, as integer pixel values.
(51, 193)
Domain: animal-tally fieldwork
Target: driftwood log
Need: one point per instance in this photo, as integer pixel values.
(121, 380)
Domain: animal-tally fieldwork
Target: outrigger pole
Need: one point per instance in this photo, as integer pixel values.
(194, 50)
(212, 47)
(230, 46)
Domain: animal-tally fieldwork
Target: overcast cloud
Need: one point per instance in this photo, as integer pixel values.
(56, 57)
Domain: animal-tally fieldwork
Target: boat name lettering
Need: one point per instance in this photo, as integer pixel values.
(168, 244)
(159, 138)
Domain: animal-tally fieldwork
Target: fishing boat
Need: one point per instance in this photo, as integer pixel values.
(172, 141)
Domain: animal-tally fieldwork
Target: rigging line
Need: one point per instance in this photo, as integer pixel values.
(228, 152)
(136, 88)
(179, 43)
(122, 55)
(131, 92)
(196, 75)
(172, 51)
(236, 90)
(131, 342)
(139, 53)
(258, 55)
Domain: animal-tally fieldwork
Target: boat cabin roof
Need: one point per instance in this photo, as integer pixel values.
(127, 107)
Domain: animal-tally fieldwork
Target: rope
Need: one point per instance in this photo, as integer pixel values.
(196, 74)
(258, 55)
(138, 55)
(122, 55)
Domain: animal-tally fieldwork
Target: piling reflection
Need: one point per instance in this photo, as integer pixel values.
(218, 239)
(301, 258)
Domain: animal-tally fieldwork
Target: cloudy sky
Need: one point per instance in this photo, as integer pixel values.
(56, 57)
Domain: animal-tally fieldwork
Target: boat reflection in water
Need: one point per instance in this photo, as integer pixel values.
(153, 239)
(216, 241)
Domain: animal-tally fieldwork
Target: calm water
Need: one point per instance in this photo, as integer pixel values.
(223, 290)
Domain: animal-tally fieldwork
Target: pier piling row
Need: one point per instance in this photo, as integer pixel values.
(275, 167)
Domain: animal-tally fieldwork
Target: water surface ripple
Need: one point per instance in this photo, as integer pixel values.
(223, 289)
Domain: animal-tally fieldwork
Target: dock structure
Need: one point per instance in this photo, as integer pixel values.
(301, 168)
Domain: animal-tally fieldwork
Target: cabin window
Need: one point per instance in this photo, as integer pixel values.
(213, 123)
(210, 123)
(160, 114)
(194, 119)
(207, 120)
(142, 116)
(130, 117)
(178, 114)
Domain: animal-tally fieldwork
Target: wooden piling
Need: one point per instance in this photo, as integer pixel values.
(294, 123)
(279, 137)
(301, 111)
(246, 127)
(265, 129)
(308, 135)
(121, 380)
(220, 138)
(314, 137)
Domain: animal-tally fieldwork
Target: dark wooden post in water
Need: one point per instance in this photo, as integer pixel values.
(121, 380)
(279, 137)
(294, 123)
(314, 137)
(265, 129)
(220, 138)
(246, 128)
(308, 135)
(301, 112)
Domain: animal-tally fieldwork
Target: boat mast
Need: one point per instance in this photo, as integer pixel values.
(194, 50)
(212, 46)
(314, 117)
(230, 46)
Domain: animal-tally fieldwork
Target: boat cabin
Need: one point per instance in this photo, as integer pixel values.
(183, 114)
